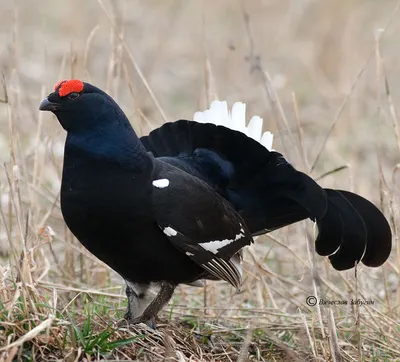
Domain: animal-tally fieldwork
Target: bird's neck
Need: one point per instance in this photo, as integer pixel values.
(110, 145)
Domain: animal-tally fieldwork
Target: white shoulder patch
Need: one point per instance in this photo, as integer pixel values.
(235, 119)
(161, 183)
(215, 245)
(170, 231)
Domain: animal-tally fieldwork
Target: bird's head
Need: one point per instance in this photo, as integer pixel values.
(94, 122)
(80, 106)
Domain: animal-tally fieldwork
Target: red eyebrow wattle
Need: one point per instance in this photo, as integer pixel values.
(69, 86)
(59, 83)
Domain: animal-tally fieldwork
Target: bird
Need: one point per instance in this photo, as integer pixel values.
(178, 205)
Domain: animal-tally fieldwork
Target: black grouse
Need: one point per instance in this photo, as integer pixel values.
(177, 206)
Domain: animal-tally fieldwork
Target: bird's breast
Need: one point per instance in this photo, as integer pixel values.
(103, 202)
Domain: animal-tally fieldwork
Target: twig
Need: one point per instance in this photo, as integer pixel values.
(347, 97)
(3, 82)
(267, 84)
(134, 63)
(337, 169)
(392, 111)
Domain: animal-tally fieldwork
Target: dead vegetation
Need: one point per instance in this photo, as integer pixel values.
(323, 75)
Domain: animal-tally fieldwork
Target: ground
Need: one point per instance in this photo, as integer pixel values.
(323, 75)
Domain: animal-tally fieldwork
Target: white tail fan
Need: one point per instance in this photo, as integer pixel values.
(219, 115)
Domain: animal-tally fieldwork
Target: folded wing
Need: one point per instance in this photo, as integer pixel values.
(200, 223)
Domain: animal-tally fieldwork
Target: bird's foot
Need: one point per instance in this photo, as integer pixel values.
(150, 321)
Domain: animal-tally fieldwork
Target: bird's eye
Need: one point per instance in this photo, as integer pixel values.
(73, 95)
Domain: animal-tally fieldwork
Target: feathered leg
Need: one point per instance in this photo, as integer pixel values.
(140, 296)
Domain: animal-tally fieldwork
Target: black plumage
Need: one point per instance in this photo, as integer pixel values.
(178, 205)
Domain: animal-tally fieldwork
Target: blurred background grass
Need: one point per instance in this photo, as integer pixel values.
(312, 48)
(320, 57)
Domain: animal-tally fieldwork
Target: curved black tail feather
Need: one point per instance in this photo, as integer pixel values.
(269, 193)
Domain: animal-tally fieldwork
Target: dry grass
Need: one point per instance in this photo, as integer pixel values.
(323, 75)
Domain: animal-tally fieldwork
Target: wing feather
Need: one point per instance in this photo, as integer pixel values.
(200, 223)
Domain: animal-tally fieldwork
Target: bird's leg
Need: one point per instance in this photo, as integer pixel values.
(132, 301)
(135, 295)
(139, 297)
(149, 314)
